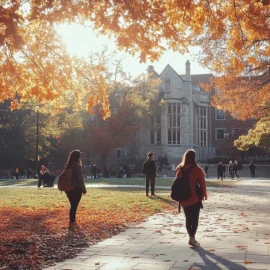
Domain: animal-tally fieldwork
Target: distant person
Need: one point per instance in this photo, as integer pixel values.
(75, 195)
(224, 171)
(252, 168)
(231, 169)
(240, 166)
(220, 171)
(235, 168)
(29, 173)
(94, 171)
(22, 173)
(206, 170)
(16, 173)
(193, 205)
(149, 169)
(46, 178)
(41, 175)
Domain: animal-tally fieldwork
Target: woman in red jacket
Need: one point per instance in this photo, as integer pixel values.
(193, 204)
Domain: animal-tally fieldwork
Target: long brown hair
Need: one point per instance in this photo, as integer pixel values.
(188, 158)
(74, 157)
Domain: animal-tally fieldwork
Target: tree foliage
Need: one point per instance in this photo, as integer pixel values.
(233, 37)
(258, 136)
(116, 131)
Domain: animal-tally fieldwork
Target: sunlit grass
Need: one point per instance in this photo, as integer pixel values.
(160, 181)
(94, 199)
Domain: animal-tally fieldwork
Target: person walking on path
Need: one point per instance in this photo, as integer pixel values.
(252, 168)
(220, 171)
(149, 169)
(231, 170)
(75, 195)
(206, 170)
(235, 168)
(224, 171)
(192, 206)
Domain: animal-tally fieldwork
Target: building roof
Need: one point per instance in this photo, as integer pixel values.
(196, 79)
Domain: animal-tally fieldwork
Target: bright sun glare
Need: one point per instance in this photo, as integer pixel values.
(81, 41)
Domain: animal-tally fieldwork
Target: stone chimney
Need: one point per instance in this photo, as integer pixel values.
(150, 69)
(188, 77)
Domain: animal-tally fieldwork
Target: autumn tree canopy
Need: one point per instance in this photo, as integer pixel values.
(233, 37)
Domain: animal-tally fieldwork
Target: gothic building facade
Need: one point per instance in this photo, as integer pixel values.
(184, 121)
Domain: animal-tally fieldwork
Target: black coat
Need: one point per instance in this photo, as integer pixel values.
(149, 167)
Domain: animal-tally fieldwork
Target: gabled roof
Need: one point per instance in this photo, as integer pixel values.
(196, 79)
(173, 70)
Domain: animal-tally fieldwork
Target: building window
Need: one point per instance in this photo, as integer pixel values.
(167, 85)
(203, 138)
(118, 153)
(220, 133)
(203, 126)
(220, 115)
(152, 137)
(174, 122)
(158, 137)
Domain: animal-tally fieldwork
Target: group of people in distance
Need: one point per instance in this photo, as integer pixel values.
(191, 206)
(233, 167)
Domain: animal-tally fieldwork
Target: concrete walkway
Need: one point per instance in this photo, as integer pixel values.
(234, 233)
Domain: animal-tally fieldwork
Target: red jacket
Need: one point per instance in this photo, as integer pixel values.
(195, 175)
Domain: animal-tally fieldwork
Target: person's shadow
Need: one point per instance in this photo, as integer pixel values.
(211, 264)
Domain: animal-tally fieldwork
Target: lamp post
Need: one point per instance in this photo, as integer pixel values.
(226, 137)
(37, 137)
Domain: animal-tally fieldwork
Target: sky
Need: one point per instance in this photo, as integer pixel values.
(80, 41)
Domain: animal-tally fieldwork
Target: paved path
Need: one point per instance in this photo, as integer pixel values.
(234, 233)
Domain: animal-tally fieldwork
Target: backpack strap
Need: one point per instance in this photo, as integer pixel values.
(189, 170)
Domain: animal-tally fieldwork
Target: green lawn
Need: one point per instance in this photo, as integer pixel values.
(165, 182)
(97, 198)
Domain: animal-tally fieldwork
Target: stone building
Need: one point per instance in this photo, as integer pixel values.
(183, 122)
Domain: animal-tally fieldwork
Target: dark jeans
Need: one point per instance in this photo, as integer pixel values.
(252, 173)
(220, 174)
(74, 197)
(150, 178)
(192, 213)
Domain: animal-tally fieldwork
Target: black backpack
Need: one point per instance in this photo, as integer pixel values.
(180, 189)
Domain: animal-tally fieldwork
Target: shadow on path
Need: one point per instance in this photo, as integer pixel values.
(210, 264)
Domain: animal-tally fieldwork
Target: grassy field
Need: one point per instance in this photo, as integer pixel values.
(166, 182)
(34, 225)
(34, 222)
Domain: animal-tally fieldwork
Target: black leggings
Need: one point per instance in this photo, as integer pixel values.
(192, 213)
(74, 197)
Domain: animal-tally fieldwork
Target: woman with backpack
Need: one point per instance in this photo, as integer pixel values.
(192, 205)
(75, 195)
